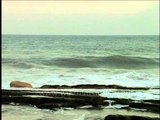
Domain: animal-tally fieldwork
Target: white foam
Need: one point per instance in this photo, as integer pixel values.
(39, 77)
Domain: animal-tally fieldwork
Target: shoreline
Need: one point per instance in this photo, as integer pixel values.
(52, 99)
(69, 114)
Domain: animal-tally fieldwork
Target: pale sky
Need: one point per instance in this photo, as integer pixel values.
(80, 17)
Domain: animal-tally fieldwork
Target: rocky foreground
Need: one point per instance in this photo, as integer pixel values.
(50, 97)
(128, 117)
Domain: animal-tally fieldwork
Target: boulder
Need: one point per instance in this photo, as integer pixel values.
(19, 84)
(127, 117)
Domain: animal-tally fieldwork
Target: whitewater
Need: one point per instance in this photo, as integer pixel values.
(131, 61)
(128, 61)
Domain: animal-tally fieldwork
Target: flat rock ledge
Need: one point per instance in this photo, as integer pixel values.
(147, 105)
(51, 99)
(92, 86)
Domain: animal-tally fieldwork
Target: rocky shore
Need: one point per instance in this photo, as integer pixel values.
(128, 117)
(21, 112)
(50, 99)
(56, 96)
(93, 86)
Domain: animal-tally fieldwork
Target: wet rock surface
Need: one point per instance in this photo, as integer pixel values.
(153, 107)
(93, 86)
(147, 105)
(127, 117)
(51, 99)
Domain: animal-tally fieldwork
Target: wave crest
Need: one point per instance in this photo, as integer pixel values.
(115, 61)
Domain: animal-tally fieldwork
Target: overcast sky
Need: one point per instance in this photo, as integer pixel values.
(80, 17)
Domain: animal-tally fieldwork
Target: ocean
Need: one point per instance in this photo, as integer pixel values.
(130, 61)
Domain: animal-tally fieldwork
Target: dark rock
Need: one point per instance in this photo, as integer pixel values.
(105, 103)
(50, 99)
(121, 101)
(127, 117)
(149, 105)
(18, 84)
(145, 105)
(48, 106)
(91, 86)
(152, 101)
(94, 118)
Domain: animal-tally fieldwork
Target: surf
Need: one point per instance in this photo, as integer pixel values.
(114, 61)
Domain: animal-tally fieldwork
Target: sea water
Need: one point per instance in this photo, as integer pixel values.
(130, 61)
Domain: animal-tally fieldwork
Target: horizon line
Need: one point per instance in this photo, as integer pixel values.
(87, 34)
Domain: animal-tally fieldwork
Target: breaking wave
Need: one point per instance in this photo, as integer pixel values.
(115, 61)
